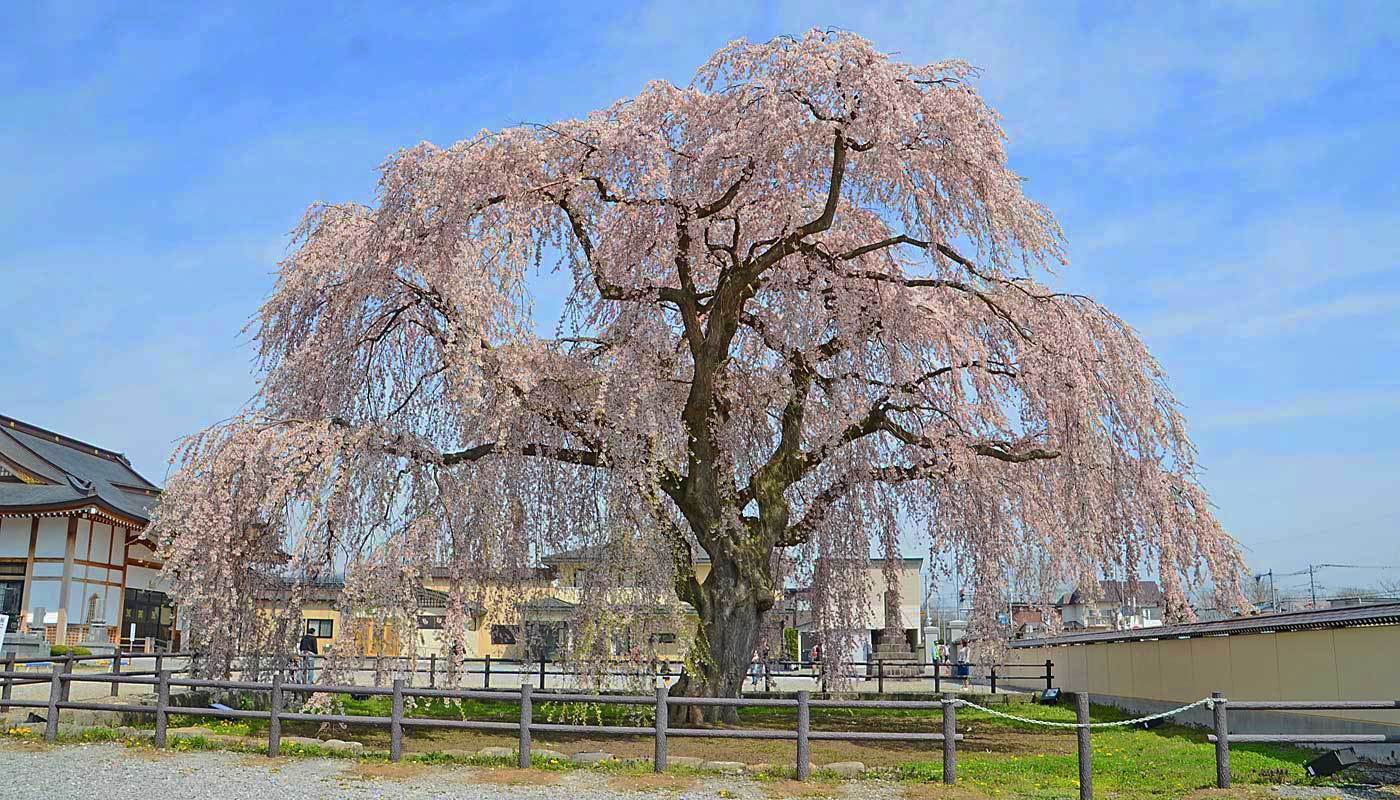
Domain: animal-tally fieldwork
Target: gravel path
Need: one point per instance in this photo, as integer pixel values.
(32, 770)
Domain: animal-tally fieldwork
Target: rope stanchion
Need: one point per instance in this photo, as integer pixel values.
(1205, 701)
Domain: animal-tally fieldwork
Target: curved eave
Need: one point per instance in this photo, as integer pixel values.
(87, 506)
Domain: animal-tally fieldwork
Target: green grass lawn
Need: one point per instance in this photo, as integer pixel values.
(999, 757)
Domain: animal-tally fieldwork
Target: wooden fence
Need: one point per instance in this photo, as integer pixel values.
(62, 676)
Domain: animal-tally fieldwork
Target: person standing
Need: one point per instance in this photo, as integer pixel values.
(307, 649)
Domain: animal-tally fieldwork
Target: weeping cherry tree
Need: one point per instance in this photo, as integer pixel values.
(806, 320)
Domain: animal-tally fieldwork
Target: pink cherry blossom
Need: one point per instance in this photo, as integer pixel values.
(808, 315)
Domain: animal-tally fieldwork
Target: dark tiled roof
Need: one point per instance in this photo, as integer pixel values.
(1350, 617)
(547, 604)
(75, 474)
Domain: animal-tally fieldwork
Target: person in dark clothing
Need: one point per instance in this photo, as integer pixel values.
(308, 643)
(307, 648)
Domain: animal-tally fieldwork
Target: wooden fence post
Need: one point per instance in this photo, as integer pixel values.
(804, 723)
(994, 679)
(116, 668)
(541, 673)
(936, 679)
(9, 667)
(396, 722)
(1222, 741)
(659, 762)
(526, 714)
(486, 672)
(767, 676)
(160, 660)
(1086, 754)
(274, 715)
(162, 705)
(950, 739)
(55, 697)
(880, 666)
(67, 685)
(432, 670)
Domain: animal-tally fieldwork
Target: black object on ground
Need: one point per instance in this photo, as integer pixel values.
(1329, 763)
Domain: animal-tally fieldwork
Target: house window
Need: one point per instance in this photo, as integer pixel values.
(502, 634)
(666, 638)
(320, 628)
(430, 622)
(580, 577)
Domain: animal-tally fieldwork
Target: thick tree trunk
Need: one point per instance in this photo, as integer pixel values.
(732, 601)
(734, 598)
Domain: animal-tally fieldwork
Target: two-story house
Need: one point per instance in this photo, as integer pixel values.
(1119, 606)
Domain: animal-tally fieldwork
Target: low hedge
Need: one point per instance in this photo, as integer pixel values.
(60, 650)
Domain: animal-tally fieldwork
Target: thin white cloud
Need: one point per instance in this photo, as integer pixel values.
(1361, 305)
(1332, 405)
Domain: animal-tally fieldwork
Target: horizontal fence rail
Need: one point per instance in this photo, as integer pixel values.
(1222, 738)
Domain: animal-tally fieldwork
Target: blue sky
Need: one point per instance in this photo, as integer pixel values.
(1226, 175)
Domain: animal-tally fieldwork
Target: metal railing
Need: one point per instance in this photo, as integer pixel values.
(67, 663)
(60, 679)
(1222, 738)
(880, 672)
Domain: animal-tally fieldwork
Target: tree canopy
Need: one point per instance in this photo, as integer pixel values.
(808, 312)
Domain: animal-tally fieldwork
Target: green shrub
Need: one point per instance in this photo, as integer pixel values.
(61, 650)
(790, 643)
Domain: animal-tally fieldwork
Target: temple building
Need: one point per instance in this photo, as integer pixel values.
(74, 565)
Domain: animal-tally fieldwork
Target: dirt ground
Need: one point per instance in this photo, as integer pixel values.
(873, 754)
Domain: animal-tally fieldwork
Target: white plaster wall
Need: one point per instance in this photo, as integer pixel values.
(14, 537)
(53, 538)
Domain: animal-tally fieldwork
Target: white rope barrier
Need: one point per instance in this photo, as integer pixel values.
(1208, 702)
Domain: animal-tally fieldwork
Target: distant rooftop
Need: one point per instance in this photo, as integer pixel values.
(1350, 617)
(594, 552)
(1142, 593)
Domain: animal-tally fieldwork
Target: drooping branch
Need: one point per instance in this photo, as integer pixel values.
(745, 362)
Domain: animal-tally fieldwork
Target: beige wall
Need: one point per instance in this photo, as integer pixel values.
(1341, 664)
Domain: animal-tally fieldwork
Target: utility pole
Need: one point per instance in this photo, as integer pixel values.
(1312, 585)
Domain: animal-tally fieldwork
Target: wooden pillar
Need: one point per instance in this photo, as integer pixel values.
(61, 635)
(24, 608)
(120, 613)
